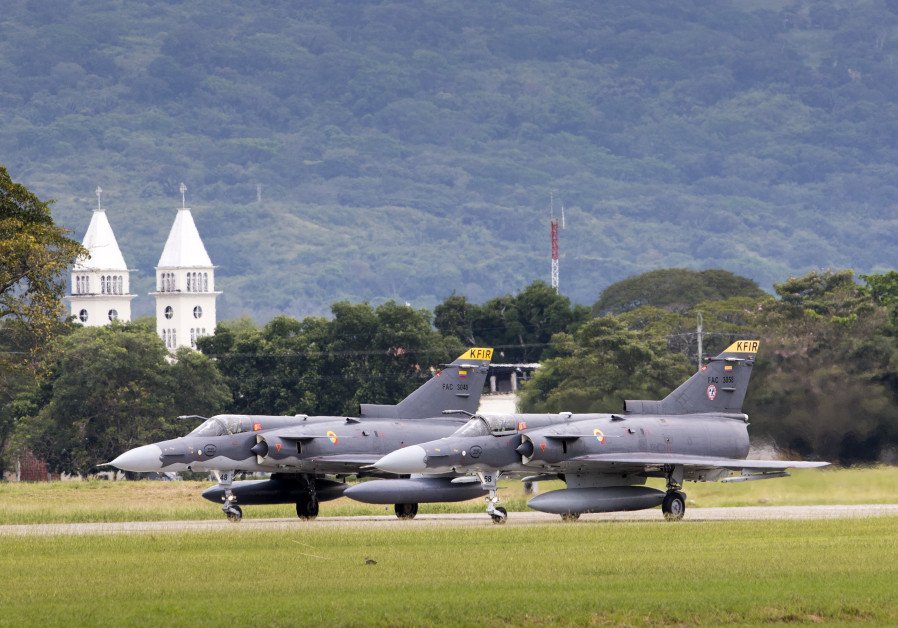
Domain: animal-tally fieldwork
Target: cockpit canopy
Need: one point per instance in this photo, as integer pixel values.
(486, 425)
(230, 424)
(223, 425)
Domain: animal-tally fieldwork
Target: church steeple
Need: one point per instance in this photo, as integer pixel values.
(185, 284)
(100, 286)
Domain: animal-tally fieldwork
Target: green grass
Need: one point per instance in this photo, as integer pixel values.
(841, 571)
(101, 501)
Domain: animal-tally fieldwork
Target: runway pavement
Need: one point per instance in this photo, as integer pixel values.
(745, 513)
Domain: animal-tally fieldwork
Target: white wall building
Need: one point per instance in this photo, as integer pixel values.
(100, 288)
(185, 286)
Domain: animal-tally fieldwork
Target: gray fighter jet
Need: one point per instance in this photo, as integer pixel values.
(301, 450)
(698, 433)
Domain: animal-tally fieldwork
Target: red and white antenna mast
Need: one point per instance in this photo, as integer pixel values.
(553, 229)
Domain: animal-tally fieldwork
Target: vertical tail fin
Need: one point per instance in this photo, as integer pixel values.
(719, 386)
(457, 387)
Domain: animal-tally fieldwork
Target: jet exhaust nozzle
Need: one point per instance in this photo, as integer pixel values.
(260, 449)
(525, 449)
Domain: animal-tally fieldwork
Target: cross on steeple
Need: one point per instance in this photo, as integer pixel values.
(183, 189)
(99, 193)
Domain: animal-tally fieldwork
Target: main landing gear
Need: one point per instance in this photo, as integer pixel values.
(307, 504)
(674, 504)
(406, 511)
(307, 508)
(488, 482)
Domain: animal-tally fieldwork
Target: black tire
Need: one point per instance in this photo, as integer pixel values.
(234, 514)
(570, 516)
(674, 506)
(307, 509)
(500, 515)
(406, 511)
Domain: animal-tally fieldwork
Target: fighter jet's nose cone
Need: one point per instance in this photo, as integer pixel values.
(402, 461)
(140, 459)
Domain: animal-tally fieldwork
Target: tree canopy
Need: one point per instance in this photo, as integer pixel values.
(519, 326)
(675, 289)
(599, 366)
(317, 366)
(826, 379)
(113, 388)
(34, 257)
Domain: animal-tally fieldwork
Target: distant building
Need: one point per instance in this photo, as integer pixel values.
(185, 286)
(185, 281)
(100, 289)
(506, 378)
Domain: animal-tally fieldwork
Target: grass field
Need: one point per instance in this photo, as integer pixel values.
(103, 501)
(841, 571)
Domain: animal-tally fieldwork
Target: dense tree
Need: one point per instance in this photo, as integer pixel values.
(722, 322)
(599, 366)
(110, 389)
(675, 289)
(453, 317)
(34, 256)
(519, 326)
(317, 366)
(824, 385)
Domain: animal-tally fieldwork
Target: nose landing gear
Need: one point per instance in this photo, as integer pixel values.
(229, 506)
(488, 482)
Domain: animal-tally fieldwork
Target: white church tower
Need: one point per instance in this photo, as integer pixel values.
(100, 288)
(185, 285)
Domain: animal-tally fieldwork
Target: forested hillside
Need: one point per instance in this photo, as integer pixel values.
(408, 149)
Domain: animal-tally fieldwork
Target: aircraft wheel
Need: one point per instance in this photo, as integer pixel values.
(570, 516)
(500, 515)
(674, 506)
(307, 508)
(234, 514)
(406, 511)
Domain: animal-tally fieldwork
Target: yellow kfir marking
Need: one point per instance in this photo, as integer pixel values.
(477, 354)
(743, 346)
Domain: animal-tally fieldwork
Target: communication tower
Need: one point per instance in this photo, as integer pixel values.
(553, 231)
(553, 228)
